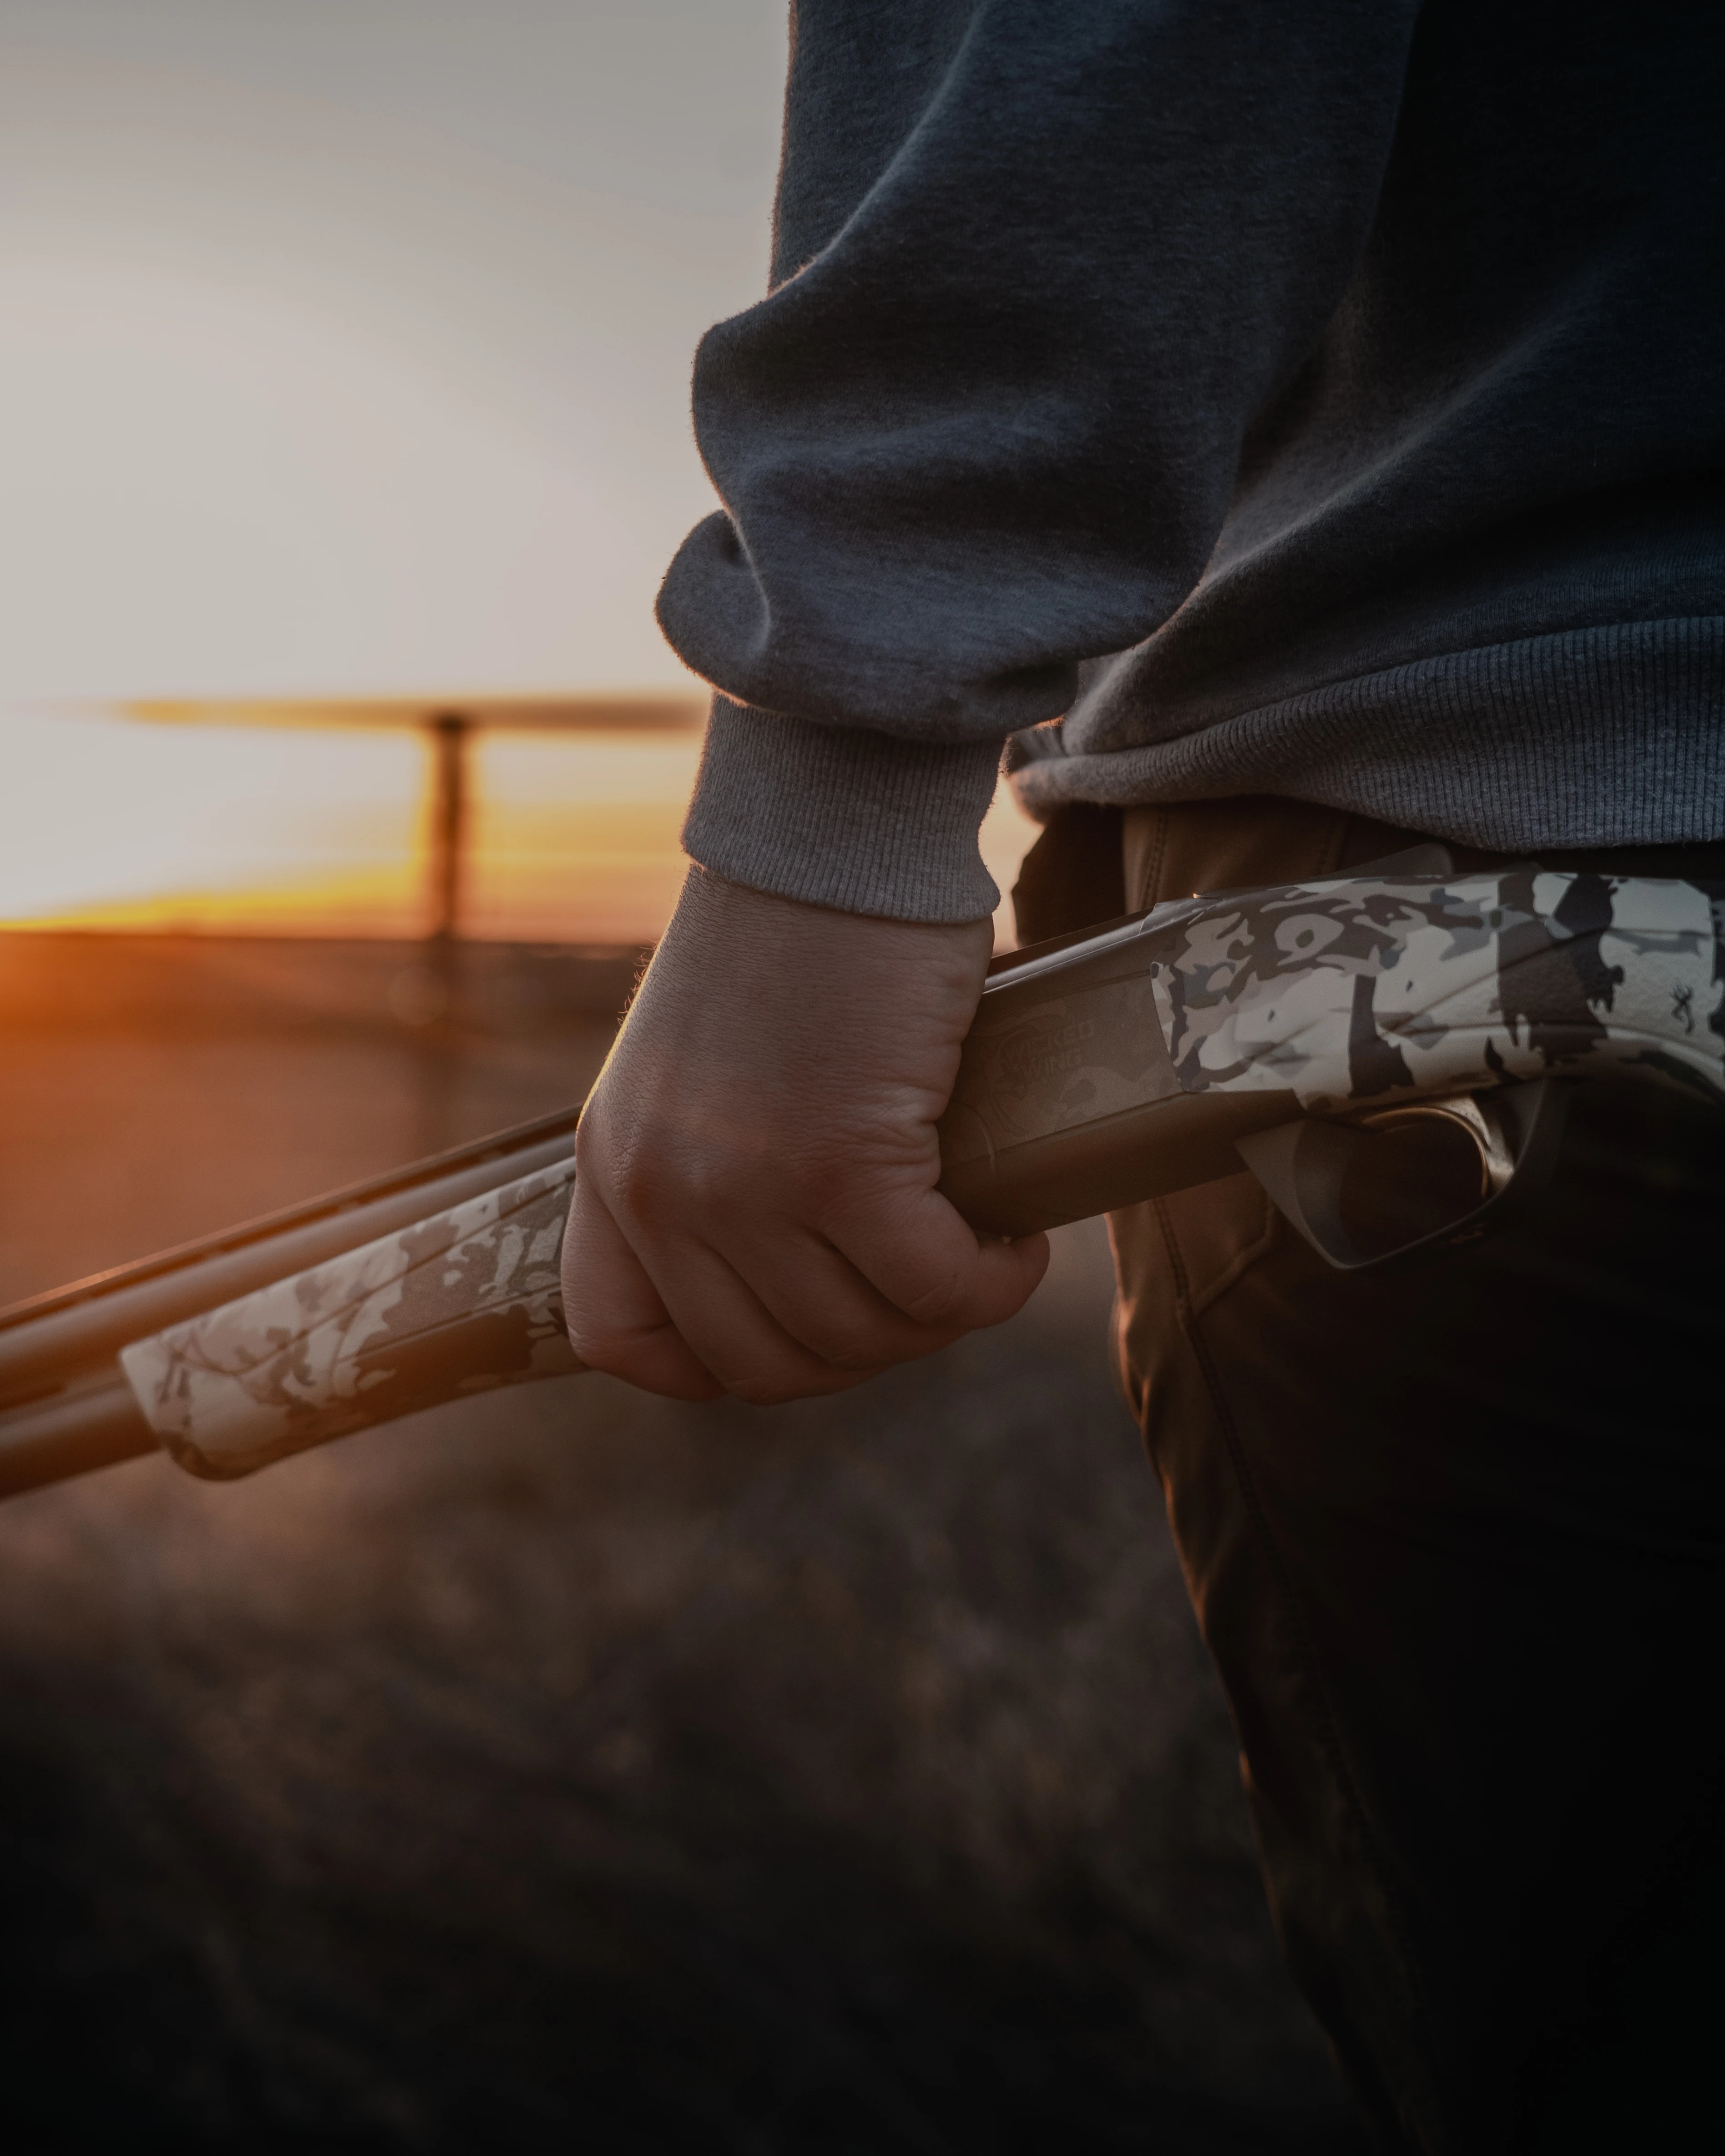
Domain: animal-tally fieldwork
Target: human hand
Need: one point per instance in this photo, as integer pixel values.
(754, 1209)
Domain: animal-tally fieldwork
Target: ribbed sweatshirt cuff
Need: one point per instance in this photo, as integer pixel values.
(860, 822)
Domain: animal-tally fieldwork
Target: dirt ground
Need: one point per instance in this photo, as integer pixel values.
(568, 1769)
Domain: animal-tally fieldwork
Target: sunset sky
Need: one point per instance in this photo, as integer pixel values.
(348, 353)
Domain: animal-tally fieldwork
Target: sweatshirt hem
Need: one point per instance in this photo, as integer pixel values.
(1607, 735)
(834, 816)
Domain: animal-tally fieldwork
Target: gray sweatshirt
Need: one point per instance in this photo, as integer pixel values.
(1318, 397)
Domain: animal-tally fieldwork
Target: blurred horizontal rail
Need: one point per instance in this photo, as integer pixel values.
(622, 711)
(79, 983)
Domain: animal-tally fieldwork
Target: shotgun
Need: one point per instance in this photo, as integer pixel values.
(1389, 1052)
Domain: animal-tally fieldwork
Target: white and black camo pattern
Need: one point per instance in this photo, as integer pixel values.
(459, 1303)
(1362, 990)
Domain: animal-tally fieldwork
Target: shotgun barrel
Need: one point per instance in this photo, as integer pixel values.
(65, 1405)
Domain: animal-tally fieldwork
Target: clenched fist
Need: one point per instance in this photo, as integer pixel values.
(754, 1211)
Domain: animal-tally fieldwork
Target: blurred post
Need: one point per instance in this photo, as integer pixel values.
(449, 733)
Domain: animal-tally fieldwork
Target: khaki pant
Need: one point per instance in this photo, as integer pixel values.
(1454, 1538)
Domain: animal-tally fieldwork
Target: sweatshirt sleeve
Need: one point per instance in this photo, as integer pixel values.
(1036, 267)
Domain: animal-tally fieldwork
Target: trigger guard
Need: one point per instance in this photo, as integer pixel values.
(1302, 1165)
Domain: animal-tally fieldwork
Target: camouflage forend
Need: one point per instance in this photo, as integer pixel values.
(462, 1302)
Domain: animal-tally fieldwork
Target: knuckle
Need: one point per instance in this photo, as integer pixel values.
(939, 1304)
(601, 1350)
(643, 1361)
(858, 1362)
(659, 1189)
(865, 1358)
(597, 1143)
(841, 1347)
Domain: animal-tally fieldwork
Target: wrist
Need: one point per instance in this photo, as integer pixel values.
(767, 948)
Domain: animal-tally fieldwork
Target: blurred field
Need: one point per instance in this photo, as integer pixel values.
(570, 1769)
(156, 1087)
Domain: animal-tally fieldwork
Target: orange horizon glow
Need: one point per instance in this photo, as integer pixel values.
(117, 827)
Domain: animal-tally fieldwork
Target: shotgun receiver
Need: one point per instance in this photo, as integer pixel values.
(1389, 1052)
